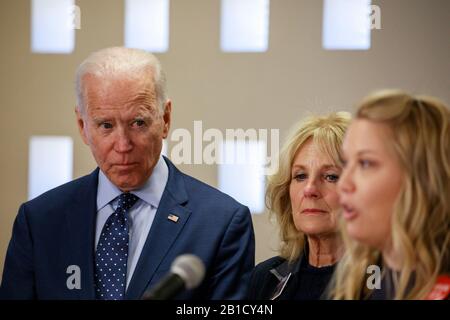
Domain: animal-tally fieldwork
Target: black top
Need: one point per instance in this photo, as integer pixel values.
(278, 279)
(312, 281)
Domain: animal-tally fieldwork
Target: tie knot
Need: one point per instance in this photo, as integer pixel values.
(126, 201)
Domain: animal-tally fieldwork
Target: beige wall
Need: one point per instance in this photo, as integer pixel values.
(247, 90)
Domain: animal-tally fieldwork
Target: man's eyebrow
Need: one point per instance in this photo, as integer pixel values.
(140, 116)
(99, 119)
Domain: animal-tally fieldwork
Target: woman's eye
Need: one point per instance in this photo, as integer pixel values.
(331, 177)
(300, 176)
(365, 163)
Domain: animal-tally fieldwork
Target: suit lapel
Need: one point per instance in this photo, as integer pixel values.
(163, 232)
(81, 219)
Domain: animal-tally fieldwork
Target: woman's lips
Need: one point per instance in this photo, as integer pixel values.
(313, 211)
(349, 213)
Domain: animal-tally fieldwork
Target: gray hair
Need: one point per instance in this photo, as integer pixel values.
(123, 61)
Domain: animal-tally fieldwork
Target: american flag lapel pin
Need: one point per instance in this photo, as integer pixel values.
(173, 218)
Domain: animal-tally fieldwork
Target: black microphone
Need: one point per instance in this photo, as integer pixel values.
(186, 272)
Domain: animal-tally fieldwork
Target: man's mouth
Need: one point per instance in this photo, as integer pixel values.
(125, 165)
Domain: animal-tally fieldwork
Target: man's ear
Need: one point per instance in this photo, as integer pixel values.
(167, 117)
(81, 125)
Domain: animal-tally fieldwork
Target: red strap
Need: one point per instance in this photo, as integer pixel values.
(441, 289)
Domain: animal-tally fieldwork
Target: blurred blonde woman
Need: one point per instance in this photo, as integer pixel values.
(395, 193)
(302, 195)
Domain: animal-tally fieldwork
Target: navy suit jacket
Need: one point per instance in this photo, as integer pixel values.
(57, 229)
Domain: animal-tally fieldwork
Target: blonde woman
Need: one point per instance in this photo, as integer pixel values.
(303, 197)
(395, 193)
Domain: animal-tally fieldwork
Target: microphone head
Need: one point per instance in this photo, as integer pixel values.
(190, 268)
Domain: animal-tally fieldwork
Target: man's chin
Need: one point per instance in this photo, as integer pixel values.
(127, 178)
(127, 187)
(127, 184)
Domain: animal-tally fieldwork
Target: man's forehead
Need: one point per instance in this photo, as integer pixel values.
(137, 81)
(118, 89)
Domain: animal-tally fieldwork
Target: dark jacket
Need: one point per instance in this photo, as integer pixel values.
(56, 231)
(277, 279)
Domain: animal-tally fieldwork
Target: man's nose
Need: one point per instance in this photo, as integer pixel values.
(123, 141)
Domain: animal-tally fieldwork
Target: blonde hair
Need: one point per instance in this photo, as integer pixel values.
(328, 132)
(421, 216)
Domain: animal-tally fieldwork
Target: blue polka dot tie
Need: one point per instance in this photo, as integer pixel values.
(112, 252)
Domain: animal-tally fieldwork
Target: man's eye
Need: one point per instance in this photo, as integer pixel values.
(139, 123)
(106, 125)
(300, 176)
(331, 177)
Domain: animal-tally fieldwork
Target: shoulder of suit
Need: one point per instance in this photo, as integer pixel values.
(209, 194)
(63, 193)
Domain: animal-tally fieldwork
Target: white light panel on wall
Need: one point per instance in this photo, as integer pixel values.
(50, 163)
(52, 29)
(241, 172)
(346, 24)
(147, 24)
(244, 25)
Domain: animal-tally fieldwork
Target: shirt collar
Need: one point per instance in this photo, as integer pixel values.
(151, 192)
(286, 268)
